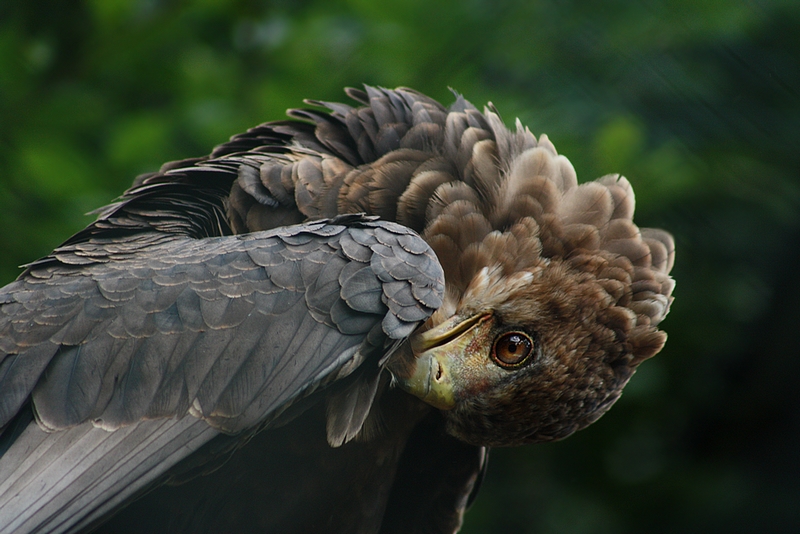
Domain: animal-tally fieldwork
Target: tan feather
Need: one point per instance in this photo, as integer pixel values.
(424, 136)
(543, 142)
(532, 163)
(307, 174)
(622, 193)
(354, 193)
(509, 144)
(413, 203)
(471, 137)
(462, 221)
(448, 193)
(473, 259)
(646, 341)
(271, 177)
(503, 248)
(590, 203)
(447, 251)
(483, 168)
(528, 233)
(334, 172)
(393, 172)
(582, 236)
(633, 248)
(455, 126)
(428, 112)
(653, 234)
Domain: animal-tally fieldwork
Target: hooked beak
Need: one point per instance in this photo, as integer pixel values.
(440, 355)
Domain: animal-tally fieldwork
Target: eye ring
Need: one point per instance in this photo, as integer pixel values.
(513, 349)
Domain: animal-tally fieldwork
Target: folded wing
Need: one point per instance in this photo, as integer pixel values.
(133, 353)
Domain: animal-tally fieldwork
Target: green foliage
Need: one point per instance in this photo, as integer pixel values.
(696, 102)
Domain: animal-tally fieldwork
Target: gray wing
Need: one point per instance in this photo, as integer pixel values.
(168, 340)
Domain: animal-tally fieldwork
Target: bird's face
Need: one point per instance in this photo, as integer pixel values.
(458, 359)
(524, 358)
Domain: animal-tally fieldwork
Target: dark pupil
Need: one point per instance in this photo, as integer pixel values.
(515, 348)
(512, 349)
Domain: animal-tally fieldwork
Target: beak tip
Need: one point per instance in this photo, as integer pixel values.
(429, 382)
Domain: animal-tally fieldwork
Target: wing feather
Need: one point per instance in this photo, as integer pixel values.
(62, 480)
(170, 341)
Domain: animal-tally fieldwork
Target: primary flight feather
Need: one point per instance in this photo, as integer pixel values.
(231, 346)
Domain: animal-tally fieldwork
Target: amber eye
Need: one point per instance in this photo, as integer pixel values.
(512, 349)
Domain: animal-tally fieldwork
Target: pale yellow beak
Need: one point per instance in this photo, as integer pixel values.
(441, 354)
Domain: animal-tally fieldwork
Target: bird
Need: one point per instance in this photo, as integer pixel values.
(323, 325)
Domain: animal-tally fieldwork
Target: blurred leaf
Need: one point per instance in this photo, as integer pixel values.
(53, 167)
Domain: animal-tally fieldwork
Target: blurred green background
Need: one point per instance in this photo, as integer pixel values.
(696, 101)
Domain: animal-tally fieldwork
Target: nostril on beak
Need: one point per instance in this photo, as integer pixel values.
(438, 371)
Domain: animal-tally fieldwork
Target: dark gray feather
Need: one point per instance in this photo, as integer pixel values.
(183, 291)
(231, 330)
(46, 483)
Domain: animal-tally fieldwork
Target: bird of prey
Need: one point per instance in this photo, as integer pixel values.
(322, 326)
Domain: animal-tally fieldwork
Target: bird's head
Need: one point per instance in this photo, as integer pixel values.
(553, 299)
(529, 357)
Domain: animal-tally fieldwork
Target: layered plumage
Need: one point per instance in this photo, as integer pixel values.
(551, 298)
